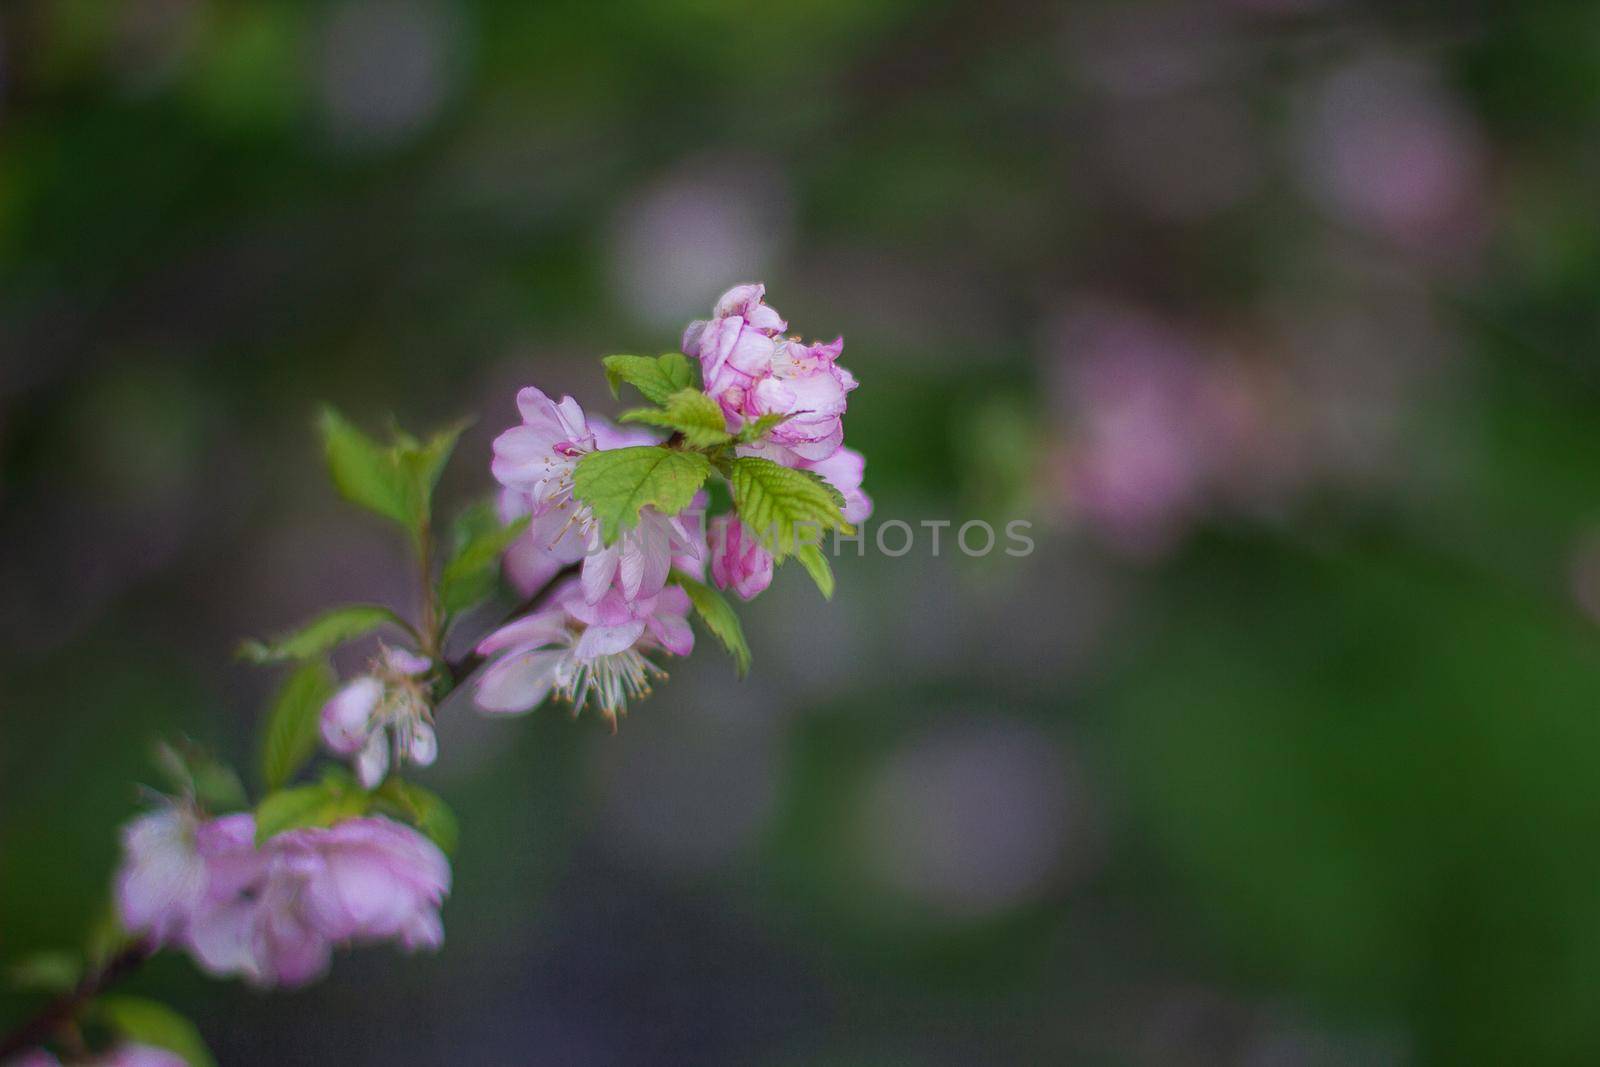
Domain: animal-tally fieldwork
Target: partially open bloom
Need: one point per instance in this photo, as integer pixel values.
(738, 561)
(751, 371)
(581, 651)
(383, 711)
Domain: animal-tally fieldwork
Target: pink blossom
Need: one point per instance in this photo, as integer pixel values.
(638, 560)
(737, 559)
(273, 915)
(751, 371)
(162, 875)
(387, 709)
(577, 650)
(538, 457)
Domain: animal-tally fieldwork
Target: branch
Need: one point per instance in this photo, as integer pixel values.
(463, 668)
(65, 1008)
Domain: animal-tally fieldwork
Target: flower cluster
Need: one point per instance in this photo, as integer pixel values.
(609, 532)
(778, 399)
(272, 914)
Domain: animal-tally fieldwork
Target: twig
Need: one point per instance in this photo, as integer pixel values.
(463, 668)
(64, 1009)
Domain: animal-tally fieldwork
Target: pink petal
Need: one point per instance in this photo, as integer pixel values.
(519, 682)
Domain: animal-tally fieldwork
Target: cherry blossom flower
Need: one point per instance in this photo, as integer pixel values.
(751, 371)
(580, 651)
(738, 561)
(272, 915)
(538, 457)
(162, 877)
(381, 712)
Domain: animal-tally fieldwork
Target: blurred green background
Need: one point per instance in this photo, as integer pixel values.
(1277, 318)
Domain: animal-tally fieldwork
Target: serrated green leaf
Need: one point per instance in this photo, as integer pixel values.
(719, 617)
(426, 462)
(689, 412)
(46, 972)
(423, 809)
(292, 725)
(784, 507)
(656, 379)
(470, 575)
(366, 473)
(149, 1022)
(758, 428)
(327, 631)
(323, 804)
(617, 483)
(395, 480)
(816, 564)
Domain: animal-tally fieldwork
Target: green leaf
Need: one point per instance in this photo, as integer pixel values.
(218, 788)
(689, 412)
(657, 379)
(46, 972)
(423, 809)
(472, 571)
(323, 804)
(782, 506)
(719, 617)
(190, 770)
(617, 483)
(427, 462)
(325, 632)
(150, 1022)
(395, 480)
(365, 472)
(293, 725)
(758, 427)
(816, 565)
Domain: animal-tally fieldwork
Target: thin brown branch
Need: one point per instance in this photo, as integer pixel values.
(64, 1009)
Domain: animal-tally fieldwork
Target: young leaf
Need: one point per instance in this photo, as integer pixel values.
(326, 631)
(689, 412)
(149, 1022)
(293, 725)
(397, 480)
(719, 617)
(816, 565)
(758, 427)
(323, 804)
(617, 483)
(217, 787)
(423, 809)
(365, 472)
(425, 463)
(782, 506)
(470, 574)
(657, 379)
